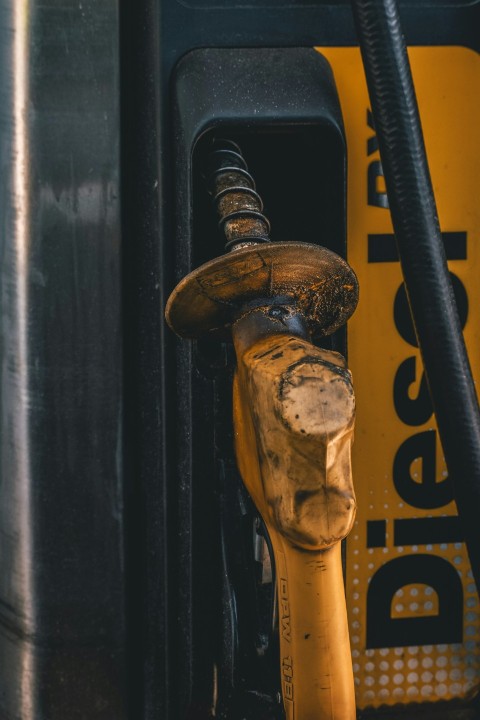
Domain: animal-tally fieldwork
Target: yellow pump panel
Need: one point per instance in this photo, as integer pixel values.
(412, 603)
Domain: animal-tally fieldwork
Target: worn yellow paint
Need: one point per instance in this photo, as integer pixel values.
(447, 80)
(293, 419)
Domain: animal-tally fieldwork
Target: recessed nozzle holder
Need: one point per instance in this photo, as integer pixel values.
(294, 412)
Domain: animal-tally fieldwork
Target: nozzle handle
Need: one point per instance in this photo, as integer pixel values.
(293, 417)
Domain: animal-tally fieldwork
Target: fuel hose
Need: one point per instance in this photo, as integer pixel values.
(420, 248)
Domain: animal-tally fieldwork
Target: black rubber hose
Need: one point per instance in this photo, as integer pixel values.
(422, 256)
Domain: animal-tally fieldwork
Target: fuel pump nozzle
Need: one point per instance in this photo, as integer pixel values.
(293, 420)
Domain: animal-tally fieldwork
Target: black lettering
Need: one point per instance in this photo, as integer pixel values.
(286, 629)
(445, 627)
(372, 145)
(424, 531)
(403, 319)
(382, 247)
(427, 493)
(376, 197)
(414, 411)
(376, 533)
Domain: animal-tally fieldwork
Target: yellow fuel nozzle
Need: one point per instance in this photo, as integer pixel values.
(293, 415)
(293, 419)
